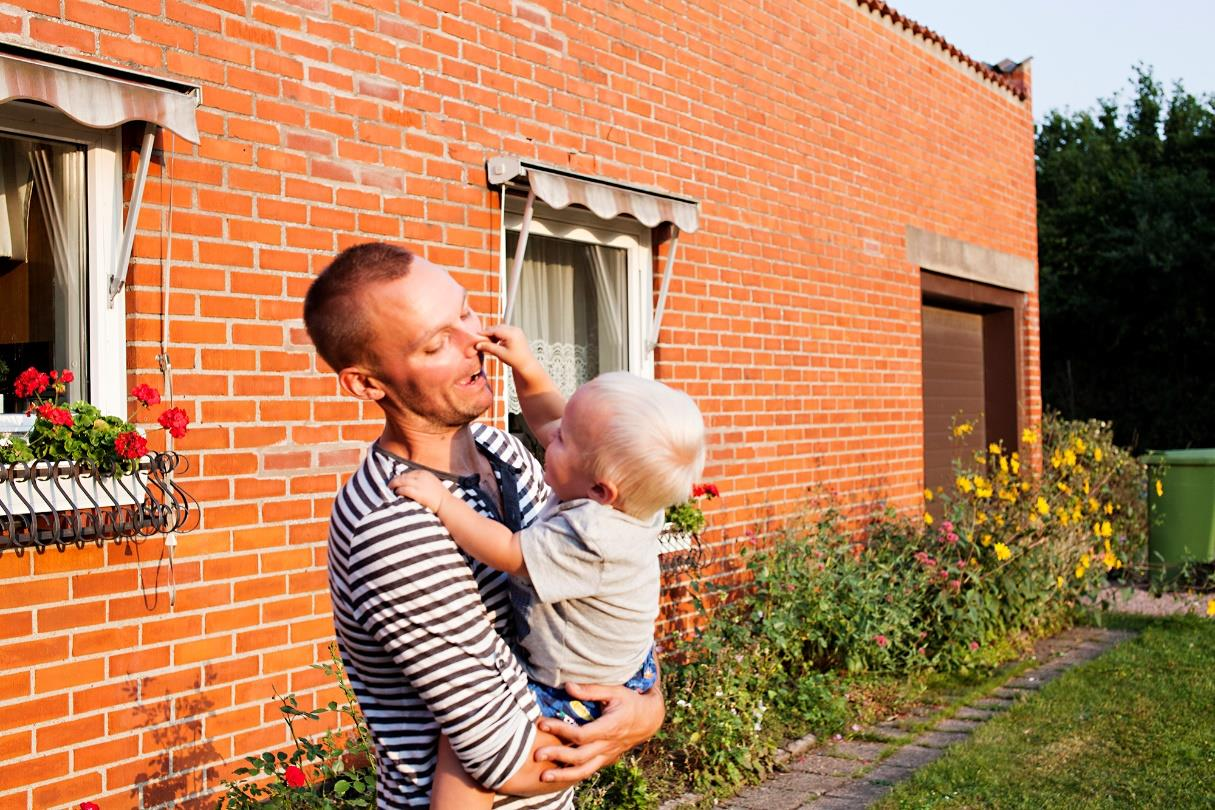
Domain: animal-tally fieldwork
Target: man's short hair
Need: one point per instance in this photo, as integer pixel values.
(653, 445)
(334, 312)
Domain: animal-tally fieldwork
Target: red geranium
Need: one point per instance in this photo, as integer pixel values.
(54, 414)
(295, 777)
(130, 445)
(174, 420)
(146, 394)
(89, 805)
(30, 382)
(705, 491)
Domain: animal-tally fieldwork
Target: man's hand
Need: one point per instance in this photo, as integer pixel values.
(628, 719)
(421, 486)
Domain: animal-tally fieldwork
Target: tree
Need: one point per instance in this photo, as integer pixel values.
(1126, 249)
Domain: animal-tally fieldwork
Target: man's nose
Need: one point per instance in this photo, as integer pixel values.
(469, 338)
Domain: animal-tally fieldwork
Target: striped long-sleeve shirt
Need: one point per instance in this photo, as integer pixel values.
(420, 626)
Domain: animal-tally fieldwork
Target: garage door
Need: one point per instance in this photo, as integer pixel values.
(953, 385)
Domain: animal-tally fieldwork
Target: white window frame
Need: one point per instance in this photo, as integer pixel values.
(106, 375)
(578, 225)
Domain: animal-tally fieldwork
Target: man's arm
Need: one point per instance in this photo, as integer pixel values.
(539, 400)
(486, 539)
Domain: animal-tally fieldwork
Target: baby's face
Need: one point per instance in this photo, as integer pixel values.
(564, 468)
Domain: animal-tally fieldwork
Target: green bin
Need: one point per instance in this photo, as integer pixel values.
(1181, 507)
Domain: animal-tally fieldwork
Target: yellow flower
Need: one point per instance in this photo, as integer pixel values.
(1093, 506)
(963, 483)
(1211, 607)
(928, 494)
(964, 429)
(1002, 552)
(1064, 518)
(1080, 446)
(1106, 529)
(987, 539)
(1080, 572)
(980, 517)
(1058, 582)
(1029, 436)
(927, 519)
(1064, 488)
(1043, 506)
(994, 449)
(999, 520)
(1025, 486)
(1097, 454)
(1069, 457)
(1159, 488)
(1003, 464)
(1110, 559)
(1056, 460)
(1016, 465)
(1109, 508)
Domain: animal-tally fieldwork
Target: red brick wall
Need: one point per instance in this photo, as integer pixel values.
(813, 133)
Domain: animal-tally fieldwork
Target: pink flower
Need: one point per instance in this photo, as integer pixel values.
(881, 640)
(947, 526)
(130, 445)
(54, 414)
(174, 420)
(30, 382)
(146, 394)
(974, 645)
(295, 777)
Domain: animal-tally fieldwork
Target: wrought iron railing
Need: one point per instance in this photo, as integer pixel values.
(62, 503)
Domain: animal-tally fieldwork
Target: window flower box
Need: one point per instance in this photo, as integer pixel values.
(679, 547)
(69, 474)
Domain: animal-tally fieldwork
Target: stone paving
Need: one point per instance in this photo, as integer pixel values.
(852, 774)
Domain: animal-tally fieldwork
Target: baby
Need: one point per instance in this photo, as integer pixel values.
(584, 575)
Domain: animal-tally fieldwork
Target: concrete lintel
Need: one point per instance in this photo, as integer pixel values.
(953, 257)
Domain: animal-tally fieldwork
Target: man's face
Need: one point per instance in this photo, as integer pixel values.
(424, 355)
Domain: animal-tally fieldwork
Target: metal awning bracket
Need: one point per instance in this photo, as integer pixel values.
(119, 276)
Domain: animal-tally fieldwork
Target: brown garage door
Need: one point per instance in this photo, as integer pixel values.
(953, 387)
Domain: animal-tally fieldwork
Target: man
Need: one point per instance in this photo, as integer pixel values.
(419, 624)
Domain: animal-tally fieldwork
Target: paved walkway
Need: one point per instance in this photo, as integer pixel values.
(851, 774)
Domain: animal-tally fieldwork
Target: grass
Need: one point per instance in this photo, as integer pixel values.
(1133, 728)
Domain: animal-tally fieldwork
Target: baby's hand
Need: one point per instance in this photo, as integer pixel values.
(508, 344)
(420, 486)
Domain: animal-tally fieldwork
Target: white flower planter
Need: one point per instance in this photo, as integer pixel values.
(61, 486)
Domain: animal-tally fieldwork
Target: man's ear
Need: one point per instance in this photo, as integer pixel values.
(358, 383)
(604, 492)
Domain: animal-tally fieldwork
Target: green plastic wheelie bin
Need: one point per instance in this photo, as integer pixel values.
(1181, 508)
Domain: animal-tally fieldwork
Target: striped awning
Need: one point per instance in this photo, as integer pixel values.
(97, 96)
(607, 199)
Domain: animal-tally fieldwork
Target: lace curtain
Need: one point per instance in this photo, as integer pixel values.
(571, 298)
(43, 235)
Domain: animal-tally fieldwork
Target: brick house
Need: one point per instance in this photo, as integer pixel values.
(815, 216)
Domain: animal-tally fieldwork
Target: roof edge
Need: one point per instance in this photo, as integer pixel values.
(1000, 74)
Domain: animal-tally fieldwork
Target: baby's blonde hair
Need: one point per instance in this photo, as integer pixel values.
(651, 445)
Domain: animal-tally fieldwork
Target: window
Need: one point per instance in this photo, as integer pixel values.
(59, 217)
(583, 297)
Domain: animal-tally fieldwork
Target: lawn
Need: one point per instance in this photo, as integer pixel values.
(1134, 728)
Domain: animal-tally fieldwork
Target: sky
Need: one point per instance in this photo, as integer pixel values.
(1083, 50)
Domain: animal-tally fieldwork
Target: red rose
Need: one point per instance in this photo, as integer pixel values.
(174, 420)
(146, 394)
(295, 777)
(30, 382)
(54, 414)
(130, 445)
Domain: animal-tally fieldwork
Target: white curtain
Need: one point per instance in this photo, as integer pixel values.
(58, 174)
(15, 183)
(570, 303)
